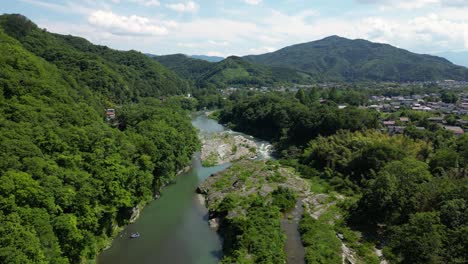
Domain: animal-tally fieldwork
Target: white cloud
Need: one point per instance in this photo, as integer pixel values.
(187, 7)
(414, 4)
(261, 50)
(189, 45)
(218, 43)
(215, 53)
(250, 31)
(253, 2)
(65, 8)
(146, 2)
(139, 2)
(126, 25)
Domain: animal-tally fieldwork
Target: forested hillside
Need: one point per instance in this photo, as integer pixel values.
(68, 179)
(116, 75)
(340, 59)
(188, 68)
(232, 71)
(406, 193)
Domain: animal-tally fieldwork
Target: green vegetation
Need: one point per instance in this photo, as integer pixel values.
(287, 122)
(333, 59)
(340, 59)
(68, 179)
(320, 241)
(114, 76)
(186, 67)
(233, 71)
(406, 193)
(250, 209)
(256, 237)
(284, 198)
(210, 161)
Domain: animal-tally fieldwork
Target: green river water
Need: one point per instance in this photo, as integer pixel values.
(174, 228)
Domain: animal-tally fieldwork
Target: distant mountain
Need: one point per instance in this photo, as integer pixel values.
(459, 58)
(208, 58)
(230, 71)
(185, 66)
(339, 59)
(237, 71)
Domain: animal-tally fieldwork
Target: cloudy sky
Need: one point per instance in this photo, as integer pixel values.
(240, 27)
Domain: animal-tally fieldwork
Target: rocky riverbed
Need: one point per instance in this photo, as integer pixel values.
(224, 147)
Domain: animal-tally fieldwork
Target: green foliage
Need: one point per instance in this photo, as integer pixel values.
(233, 71)
(116, 75)
(420, 240)
(340, 59)
(186, 67)
(397, 191)
(68, 178)
(287, 122)
(320, 241)
(449, 97)
(358, 155)
(211, 160)
(284, 198)
(414, 194)
(255, 238)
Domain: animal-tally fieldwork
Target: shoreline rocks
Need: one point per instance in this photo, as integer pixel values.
(224, 147)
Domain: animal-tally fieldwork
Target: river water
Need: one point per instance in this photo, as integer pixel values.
(174, 228)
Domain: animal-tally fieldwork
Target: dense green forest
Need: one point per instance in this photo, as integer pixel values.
(116, 76)
(232, 71)
(287, 122)
(406, 193)
(186, 67)
(68, 178)
(340, 59)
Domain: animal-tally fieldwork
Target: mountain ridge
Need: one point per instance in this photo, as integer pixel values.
(336, 58)
(232, 70)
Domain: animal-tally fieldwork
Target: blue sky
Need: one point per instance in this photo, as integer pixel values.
(241, 27)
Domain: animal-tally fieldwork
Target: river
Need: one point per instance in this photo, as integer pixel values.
(174, 228)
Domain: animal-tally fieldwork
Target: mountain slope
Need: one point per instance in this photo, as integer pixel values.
(68, 179)
(119, 76)
(186, 67)
(340, 59)
(236, 71)
(232, 71)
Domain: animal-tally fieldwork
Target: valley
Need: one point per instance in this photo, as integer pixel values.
(331, 151)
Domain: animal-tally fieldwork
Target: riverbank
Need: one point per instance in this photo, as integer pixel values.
(135, 213)
(302, 224)
(224, 147)
(173, 226)
(249, 202)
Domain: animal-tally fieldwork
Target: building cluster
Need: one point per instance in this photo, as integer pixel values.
(425, 103)
(399, 126)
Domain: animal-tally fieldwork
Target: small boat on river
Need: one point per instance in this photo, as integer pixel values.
(135, 235)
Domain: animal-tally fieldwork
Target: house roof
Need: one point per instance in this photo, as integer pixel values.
(455, 129)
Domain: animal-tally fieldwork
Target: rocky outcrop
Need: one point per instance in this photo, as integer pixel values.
(135, 214)
(224, 147)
